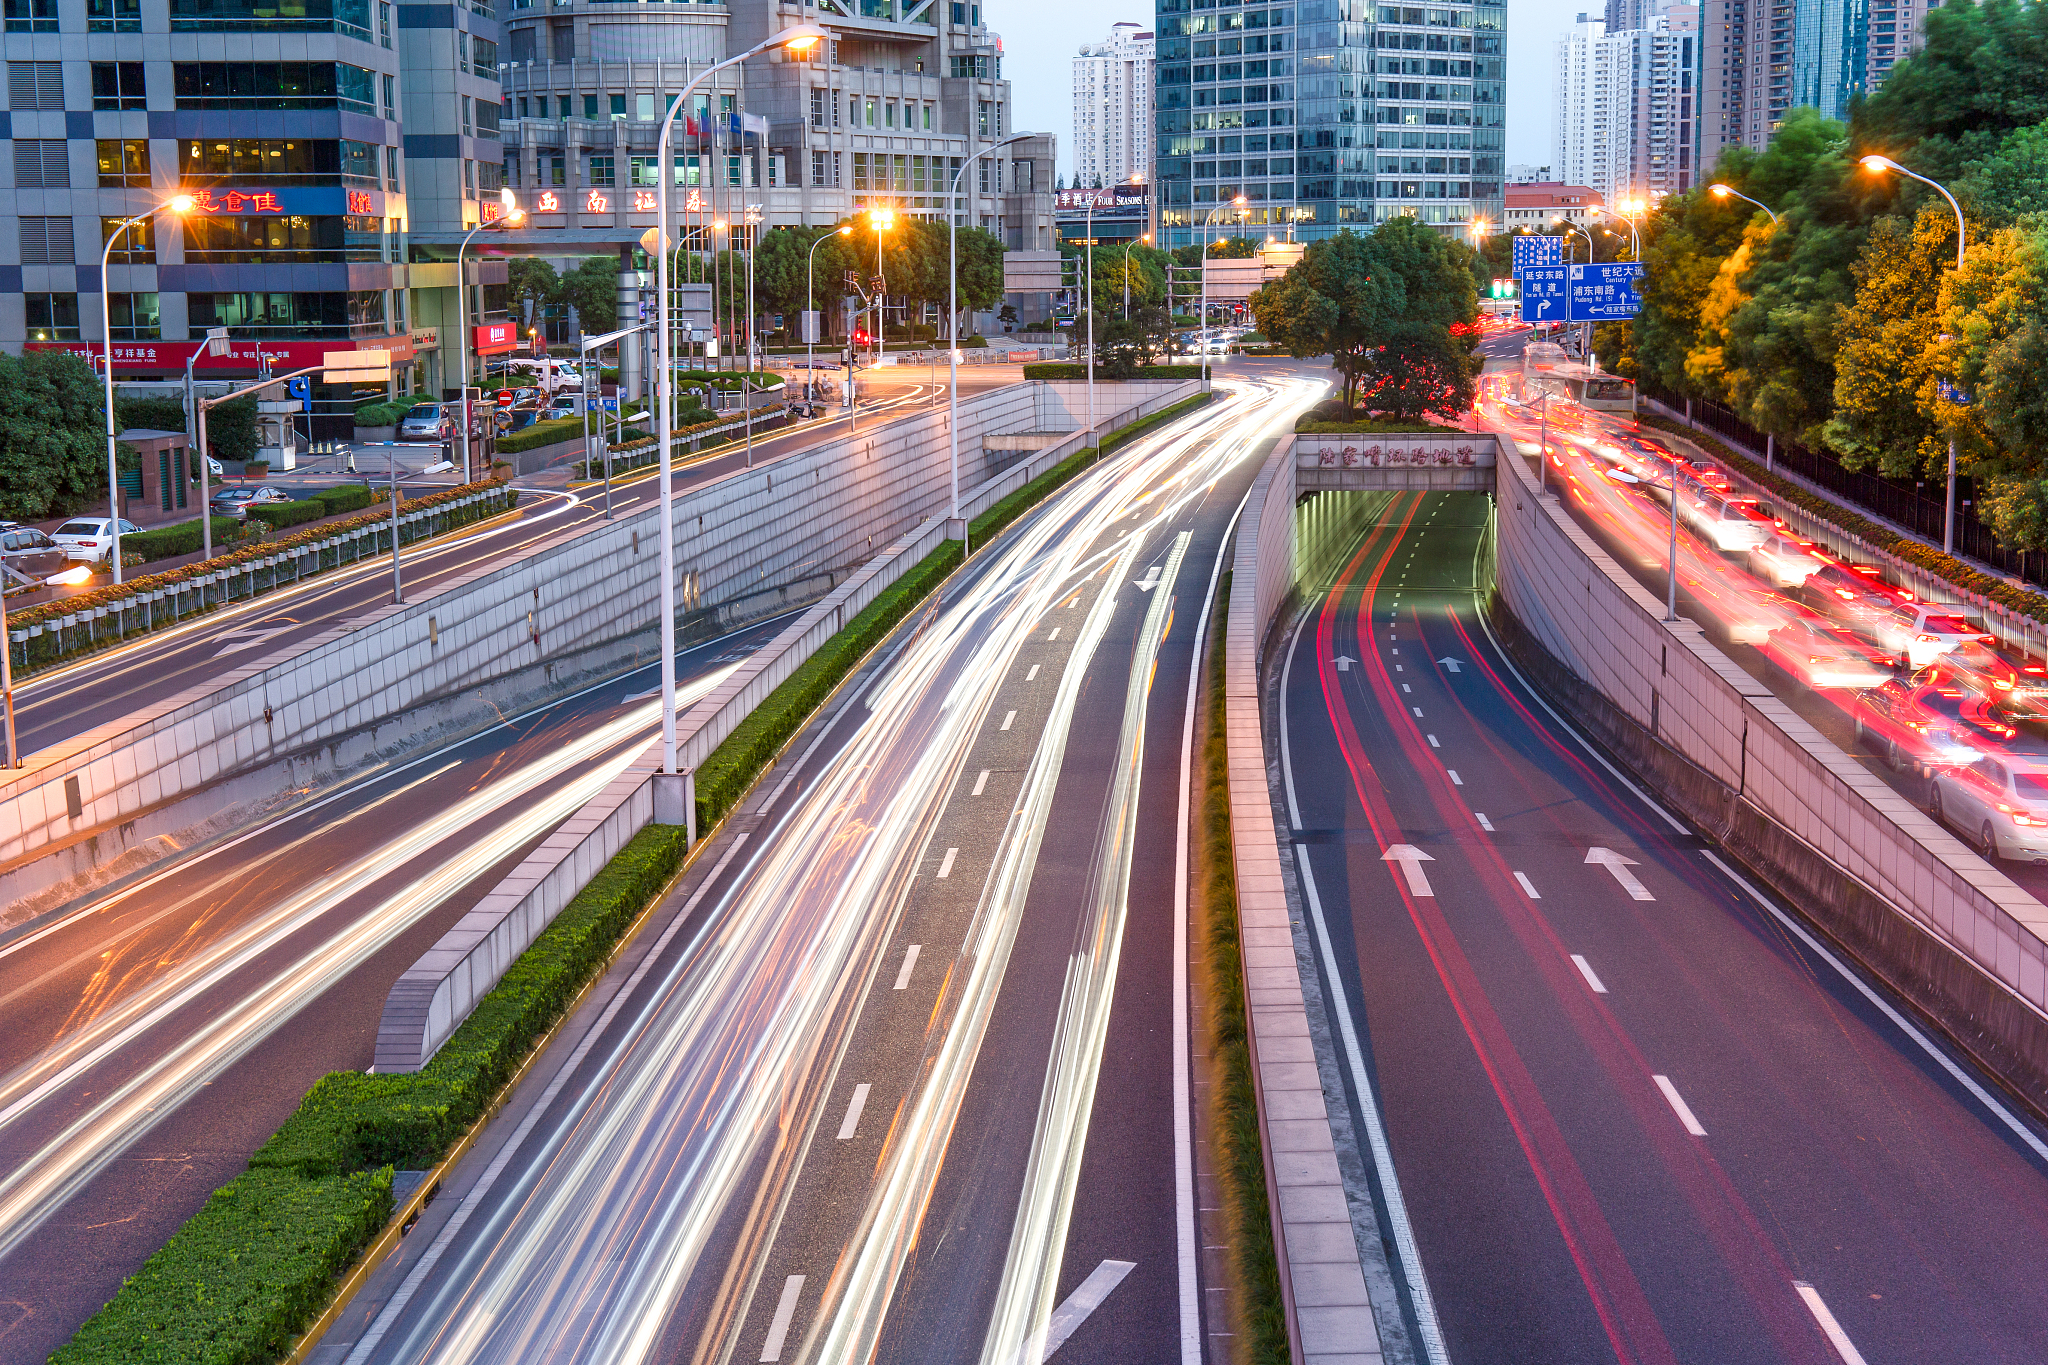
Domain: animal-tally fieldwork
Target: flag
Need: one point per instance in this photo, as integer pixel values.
(757, 124)
(690, 126)
(736, 132)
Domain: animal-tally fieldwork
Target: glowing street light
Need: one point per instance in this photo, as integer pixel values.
(1720, 191)
(180, 204)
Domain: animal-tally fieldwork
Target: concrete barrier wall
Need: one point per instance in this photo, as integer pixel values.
(432, 998)
(1329, 1313)
(821, 510)
(1948, 930)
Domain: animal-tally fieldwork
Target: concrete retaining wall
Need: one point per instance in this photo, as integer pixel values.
(432, 998)
(1329, 1313)
(1954, 935)
(806, 515)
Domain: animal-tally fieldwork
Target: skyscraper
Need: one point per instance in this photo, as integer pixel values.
(1113, 108)
(1764, 57)
(1623, 115)
(1324, 116)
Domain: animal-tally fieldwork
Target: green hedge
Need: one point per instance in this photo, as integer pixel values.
(278, 515)
(242, 1277)
(164, 542)
(258, 1263)
(350, 497)
(1063, 369)
(387, 414)
(543, 434)
(755, 742)
(2025, 601)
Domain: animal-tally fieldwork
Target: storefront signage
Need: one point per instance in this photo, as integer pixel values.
(241, 357)
(237, 201)
(549, 202)
(496, 338)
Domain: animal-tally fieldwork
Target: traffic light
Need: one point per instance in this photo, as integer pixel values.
(860, 336)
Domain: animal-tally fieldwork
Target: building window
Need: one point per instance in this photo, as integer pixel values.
(137, 245)
(36, 16)
(133, 317)
(122, 163)
(818, 168)
(51, 317)
(46, 241)
(871, 112)
(618, 106)
(350, 17)
(285, 315)
(889, 114)
(264, 85)
(391, 169)
(390, 95)
(817, 106)
(600, 170)
(928, 118)
(981, 122)
(41, 163)
(384, 24)
(467, 129)
(590, 107)
(118, 85)
(469, 180)
(644, 170)
(462, 51)
(488, 113)
(490, 178)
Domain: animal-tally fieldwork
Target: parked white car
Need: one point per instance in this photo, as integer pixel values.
(1998, 804)
(90, 538)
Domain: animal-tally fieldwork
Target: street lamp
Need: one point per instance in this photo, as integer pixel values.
(1202, 322)
(513, 217)
(954, 522)
(1720, 191)
(811, 308)
(1559, 220)
(179, 204)
(1088, 291)
(1878, 165)
(800, 38)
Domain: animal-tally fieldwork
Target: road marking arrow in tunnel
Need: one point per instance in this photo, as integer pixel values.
(1620, 866)
(1343, 662)
(1411, 860)
(1450, 665)
(1149, 581)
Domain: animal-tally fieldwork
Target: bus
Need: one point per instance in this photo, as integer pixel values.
(1546, 369)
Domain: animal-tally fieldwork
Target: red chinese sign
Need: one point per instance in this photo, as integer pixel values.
(237, 201)
(549, 202)
(643, 201)
(496, 338)
(359, 202)
(596, 202)
(694, 203)
(170, 356)
(491, 210)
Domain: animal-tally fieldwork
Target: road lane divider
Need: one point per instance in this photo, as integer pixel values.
(980, 783)
(909, 965)
(1528, 887)
(1586, 970)
(946, 863)
(854, 1106)
(1830, 1328)
(785, 1311)
(1679, 1106)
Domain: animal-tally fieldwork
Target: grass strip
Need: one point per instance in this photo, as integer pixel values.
(2024, 601)
(1239, 1161)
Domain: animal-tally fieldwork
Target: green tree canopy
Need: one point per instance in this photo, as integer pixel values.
(53, 442)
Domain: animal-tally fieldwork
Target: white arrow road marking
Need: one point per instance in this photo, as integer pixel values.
(1619, 866)
(1343, 662)
(1679, 1106)
(1149, 581)
(1086, 1298)
(247, 639)
(1411, 860)
(1833, 1330)
(1450, 665)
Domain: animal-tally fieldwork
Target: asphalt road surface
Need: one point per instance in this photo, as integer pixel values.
(105, 688)
(1637, 1112)
(892, 1074)
(157, 1037)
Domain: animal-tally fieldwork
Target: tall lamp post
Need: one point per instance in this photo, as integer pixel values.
(955, 525)
(1202, 322)
(1878, 165)
(1720, 191)
(512, 217)
(179, 204)
(812, 321)
(800, 38)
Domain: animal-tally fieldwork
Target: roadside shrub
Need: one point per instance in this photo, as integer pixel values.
(166, 542)
(278, 515)
(387, 414)
(350, 497)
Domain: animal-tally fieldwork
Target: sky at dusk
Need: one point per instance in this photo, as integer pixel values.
(1042, 37)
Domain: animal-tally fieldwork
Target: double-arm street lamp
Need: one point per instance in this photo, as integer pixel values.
(512, 217)
(1721, 191)
(1878, 165)
(800, 38)
(955, 526)
(1202, 322)
(179, 204)
(813, 322)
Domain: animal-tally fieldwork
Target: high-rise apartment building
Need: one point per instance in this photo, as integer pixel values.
(1323, 116)
(1623, 114)
(1761, 58)
(1113, 108)
(314, 140)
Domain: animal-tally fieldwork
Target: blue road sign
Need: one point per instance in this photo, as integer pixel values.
(1544, 296)
(301, 389)
(1605, 293)
(1537, 251)
(1951, 394)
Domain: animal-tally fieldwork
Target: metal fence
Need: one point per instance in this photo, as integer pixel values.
(1916, 505)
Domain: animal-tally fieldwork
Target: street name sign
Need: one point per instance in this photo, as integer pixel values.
(1537, 251)
(1544, 293)
(1605, 293)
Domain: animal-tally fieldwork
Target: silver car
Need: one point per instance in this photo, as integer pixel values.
(1998, 803)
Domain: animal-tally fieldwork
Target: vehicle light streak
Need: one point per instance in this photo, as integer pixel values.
(129, 1108)
(626, 1193)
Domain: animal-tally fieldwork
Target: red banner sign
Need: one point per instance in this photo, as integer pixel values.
(237, 201)
(496, 338)
(241, 356)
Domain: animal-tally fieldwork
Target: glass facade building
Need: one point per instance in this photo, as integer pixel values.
(1326, 114)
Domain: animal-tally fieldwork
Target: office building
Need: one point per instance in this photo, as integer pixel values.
(1761, 59)
(1321, 122)
(1532, 207)
(315, 141)
(1113, 109)
(1623, 104)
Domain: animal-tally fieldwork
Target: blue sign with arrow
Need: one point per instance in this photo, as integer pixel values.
(1533, 252)
(1545, 293)
(301, 389)
(1605, 293)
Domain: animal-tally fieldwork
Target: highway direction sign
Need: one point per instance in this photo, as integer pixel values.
(1544, 293)
(1537, 251)
(1605, 293)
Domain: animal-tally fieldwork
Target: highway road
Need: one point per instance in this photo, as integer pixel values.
(106, 687)
(1637, 1112)
(897, 1072)
(157, 1037)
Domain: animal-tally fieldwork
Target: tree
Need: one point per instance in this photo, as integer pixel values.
(592, 289)
(1422, 370)
(1992, 344)
(53, 447)
(1885, 342)
(532, 285)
